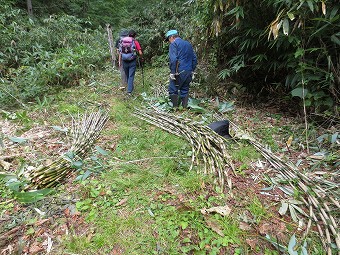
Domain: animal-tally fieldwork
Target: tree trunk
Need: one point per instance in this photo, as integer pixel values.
(111, 45)
(29, 8)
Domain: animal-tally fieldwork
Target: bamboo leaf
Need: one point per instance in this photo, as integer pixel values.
(335, 39)
(285, 26)
(291, 15)
(77, 164)
(58, 128)
(299, 53)
(276, 243)
(287, 190)
(294, 201)
(299, 209)
(268, 188)
(101, 151)
(69, 155)
(301, 3)
(304, 251)
(283, 209)
(274, 30)
(291, 245)
(334, 137)
(293, 213)
(323, 7)
(151, 213)
(310, 5)
(85, 175)
(39, 211)
(17, 139)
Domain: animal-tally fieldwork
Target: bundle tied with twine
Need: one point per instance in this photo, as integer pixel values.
(320, 196)
(206, 145)
(84, 132)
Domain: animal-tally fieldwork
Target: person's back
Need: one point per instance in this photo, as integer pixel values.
(182, 63)
(185, 55)
(128, 58)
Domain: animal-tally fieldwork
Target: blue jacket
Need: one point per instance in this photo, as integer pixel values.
(182, 51)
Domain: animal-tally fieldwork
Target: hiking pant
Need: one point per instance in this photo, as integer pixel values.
(184, 79)
(130, 70)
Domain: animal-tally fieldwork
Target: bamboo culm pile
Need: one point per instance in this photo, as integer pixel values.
(206, 145)
(84, 132)
(320, 197)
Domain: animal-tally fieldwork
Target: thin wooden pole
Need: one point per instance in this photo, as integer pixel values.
(111, 45)
(29, 8)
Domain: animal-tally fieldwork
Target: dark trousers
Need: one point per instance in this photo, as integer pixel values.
(130, 70)
(184, 79)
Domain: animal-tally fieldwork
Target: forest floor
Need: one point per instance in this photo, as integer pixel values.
(75, 219)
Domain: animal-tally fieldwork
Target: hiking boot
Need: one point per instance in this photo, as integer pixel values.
(185, 101)
(174, 100)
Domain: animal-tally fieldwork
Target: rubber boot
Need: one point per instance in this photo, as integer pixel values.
(185, 101)
(174, 100)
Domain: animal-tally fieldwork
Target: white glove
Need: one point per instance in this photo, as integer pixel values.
(172, 76)
(193, 75)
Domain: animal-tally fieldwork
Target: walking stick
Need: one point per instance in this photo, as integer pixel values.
(141, 65)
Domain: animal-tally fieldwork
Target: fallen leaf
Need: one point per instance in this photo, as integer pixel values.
(244, 226)
(5, 164)
(289, 141)
(264, 228)
(214, 226)
(35, 249)
(121, 202)
(317, 157)
(40, 222)
(223, 210)
(252, 243)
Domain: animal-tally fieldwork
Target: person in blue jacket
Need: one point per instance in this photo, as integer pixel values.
(182, 62)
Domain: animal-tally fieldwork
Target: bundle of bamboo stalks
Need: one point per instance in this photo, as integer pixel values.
(206, 145)
(84, 132)
(320, 197)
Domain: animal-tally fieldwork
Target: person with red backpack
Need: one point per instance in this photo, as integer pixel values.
(129, 47)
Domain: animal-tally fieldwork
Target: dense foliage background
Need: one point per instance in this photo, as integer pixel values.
(276, 48)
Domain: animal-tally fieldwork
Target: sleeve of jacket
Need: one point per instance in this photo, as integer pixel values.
(173, 57)
(138, 47)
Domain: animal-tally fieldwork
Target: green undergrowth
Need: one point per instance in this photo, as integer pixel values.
(144, 199)
(147, 201)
